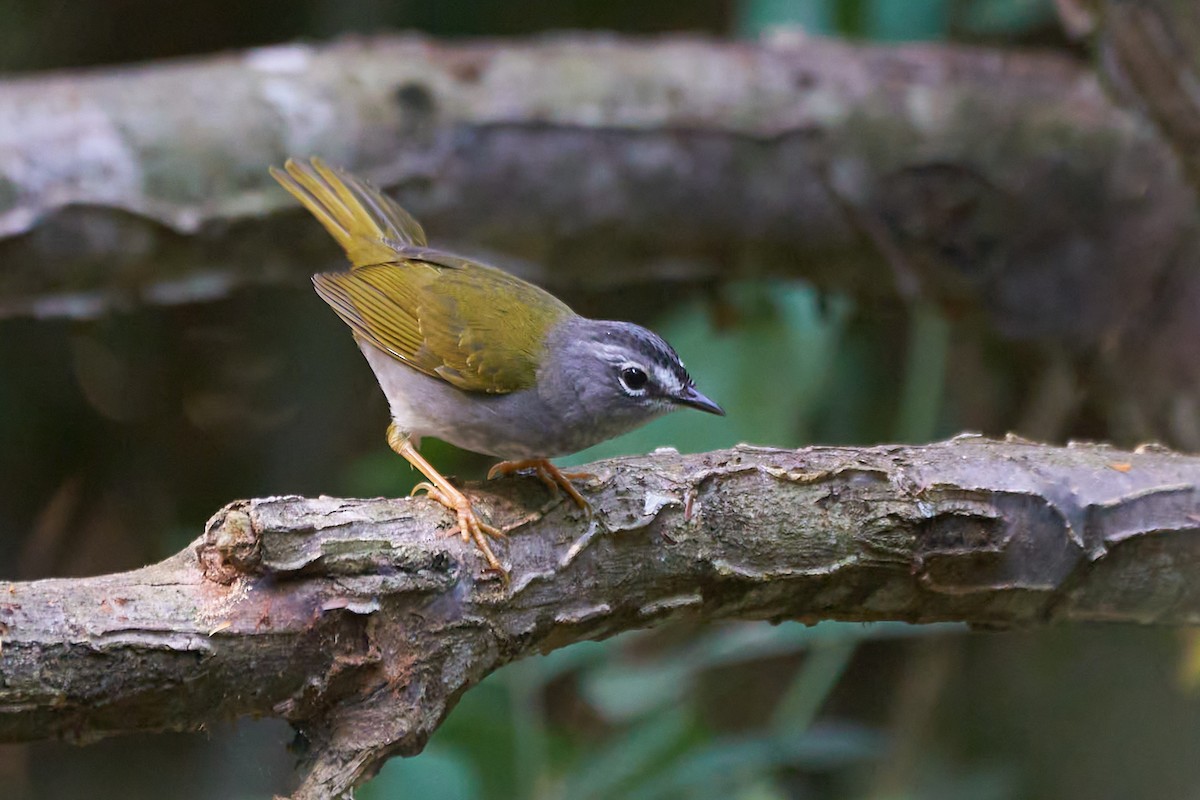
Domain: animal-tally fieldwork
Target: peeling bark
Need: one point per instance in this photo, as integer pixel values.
(361, 624)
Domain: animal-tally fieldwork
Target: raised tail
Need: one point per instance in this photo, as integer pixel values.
(370, 226)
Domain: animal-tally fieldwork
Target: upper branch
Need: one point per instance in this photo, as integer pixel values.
(361, 623)
(977, 177)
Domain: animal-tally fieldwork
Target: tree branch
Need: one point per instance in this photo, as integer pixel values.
(599, 162)
(361, 623)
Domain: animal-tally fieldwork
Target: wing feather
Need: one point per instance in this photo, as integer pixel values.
(470, 324)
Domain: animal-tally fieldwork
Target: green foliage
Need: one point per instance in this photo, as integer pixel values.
(888, 20)
(1005, 17)
(898, 20)
(658, 741)
(441, 772)
(815, 16)
(917, 418)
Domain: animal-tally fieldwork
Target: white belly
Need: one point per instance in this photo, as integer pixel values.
(423, 406)
(408, 391)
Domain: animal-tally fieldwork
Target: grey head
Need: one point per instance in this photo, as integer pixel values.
(603, 378)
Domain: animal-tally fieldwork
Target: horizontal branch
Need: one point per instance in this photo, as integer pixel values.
(1003, 181)
(361, 623)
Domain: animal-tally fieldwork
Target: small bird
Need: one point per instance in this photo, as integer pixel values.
(476, 357)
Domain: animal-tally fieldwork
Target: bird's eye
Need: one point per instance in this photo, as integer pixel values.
(634, 378)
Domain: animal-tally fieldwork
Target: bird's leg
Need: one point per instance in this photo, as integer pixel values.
(469, 525)
(550, 475)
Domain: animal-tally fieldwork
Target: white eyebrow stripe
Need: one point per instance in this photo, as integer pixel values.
(610, 352)
(666, 378)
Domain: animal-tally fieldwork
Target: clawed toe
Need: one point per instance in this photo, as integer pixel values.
(548, 474)
(433, 492)
(442, 491)
(474, 529)
(470, 526)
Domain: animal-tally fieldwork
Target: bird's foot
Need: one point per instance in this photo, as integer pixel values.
(550, 475)
(472, 528)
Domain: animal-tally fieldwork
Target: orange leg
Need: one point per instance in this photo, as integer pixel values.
(469, 525)
(549, 475)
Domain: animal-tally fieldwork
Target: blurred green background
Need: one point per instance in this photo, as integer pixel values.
(122, 435)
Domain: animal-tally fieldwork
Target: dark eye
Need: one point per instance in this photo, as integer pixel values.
(634, 378)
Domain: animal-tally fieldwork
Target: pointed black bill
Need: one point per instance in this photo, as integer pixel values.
(693, 399)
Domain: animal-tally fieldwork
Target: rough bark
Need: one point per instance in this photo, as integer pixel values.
(360, 623)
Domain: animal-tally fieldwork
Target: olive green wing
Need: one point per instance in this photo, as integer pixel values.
(474, 326)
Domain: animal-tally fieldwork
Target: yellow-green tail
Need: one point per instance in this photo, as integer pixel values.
(369, 225)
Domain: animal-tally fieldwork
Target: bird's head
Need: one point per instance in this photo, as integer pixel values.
(619, 374)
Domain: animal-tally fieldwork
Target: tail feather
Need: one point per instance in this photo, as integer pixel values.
(369, 225)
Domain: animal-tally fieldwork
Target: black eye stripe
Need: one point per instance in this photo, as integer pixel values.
(634, 378)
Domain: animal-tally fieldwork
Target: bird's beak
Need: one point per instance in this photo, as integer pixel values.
(692, 398)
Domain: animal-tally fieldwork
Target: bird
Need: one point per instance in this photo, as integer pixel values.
(474, 356)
